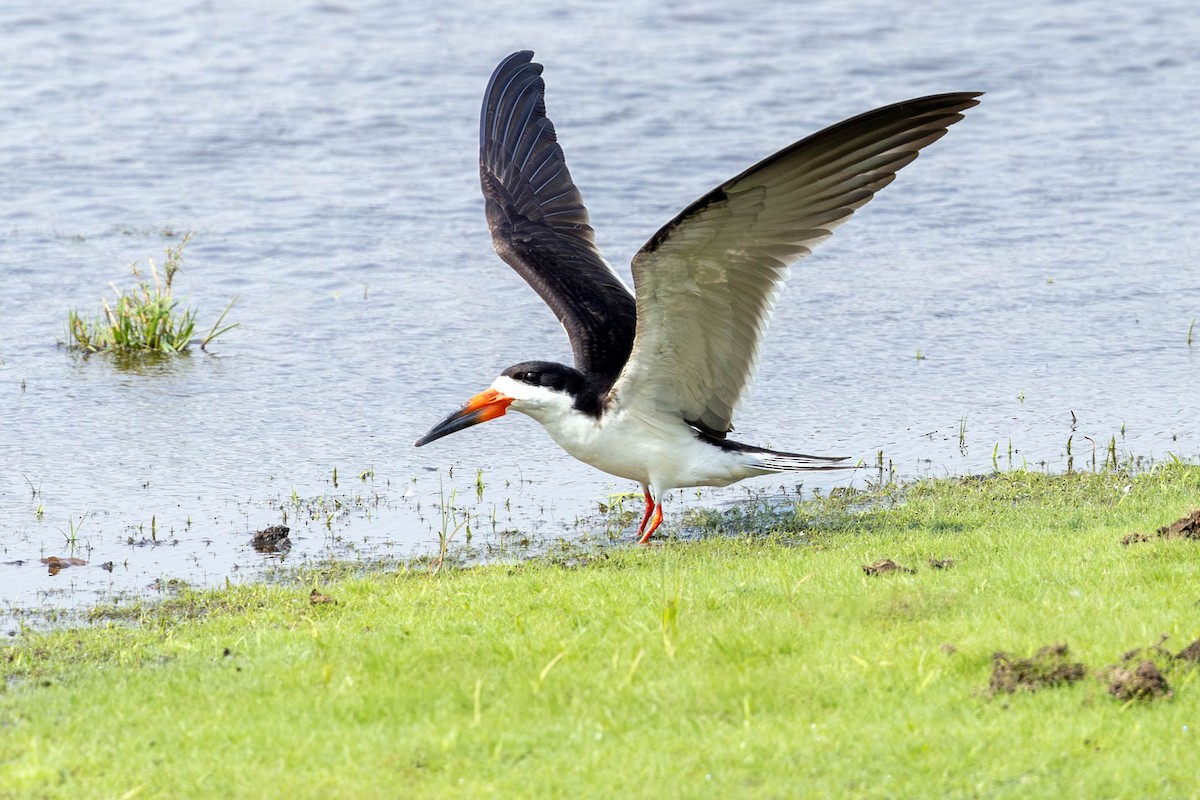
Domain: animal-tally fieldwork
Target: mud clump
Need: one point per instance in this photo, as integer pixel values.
(317, 598)
(272, 539)
(1185, 528)
(1190, 653)
(1144, 682)
(884, 566)
(941, 563)
(1050, 666)
(1139, 676)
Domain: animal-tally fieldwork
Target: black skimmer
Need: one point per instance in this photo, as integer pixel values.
(659, 371)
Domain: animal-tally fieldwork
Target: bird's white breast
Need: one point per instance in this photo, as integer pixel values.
(658, 450)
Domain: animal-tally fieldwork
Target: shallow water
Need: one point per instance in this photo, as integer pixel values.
(1043, 258)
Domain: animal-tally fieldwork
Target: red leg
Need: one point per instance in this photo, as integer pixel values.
(654, 523)
(646, 516)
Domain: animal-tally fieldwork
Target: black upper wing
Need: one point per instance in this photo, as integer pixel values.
(540, 226)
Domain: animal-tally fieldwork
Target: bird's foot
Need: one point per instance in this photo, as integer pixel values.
(655, 521)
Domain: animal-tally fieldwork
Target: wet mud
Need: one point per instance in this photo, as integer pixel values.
(55, 564)
(272, 539)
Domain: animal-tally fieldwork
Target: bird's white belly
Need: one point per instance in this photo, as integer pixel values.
(663, 452)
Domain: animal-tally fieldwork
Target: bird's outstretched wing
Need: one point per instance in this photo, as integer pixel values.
(540, 226)
(707, 281)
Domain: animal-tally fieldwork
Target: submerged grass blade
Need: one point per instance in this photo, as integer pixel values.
(216, 331)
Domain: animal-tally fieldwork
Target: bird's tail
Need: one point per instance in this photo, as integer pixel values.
(796, 462)
(776, 461)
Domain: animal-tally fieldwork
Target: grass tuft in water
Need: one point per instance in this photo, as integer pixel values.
(145, 318)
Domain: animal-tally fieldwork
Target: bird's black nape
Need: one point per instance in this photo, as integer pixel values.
(559, 378)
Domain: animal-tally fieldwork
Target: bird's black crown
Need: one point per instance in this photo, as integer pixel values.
(559, 378)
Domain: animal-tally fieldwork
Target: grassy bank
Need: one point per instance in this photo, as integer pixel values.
(766, 666)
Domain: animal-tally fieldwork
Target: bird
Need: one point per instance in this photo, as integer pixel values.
(659, 371)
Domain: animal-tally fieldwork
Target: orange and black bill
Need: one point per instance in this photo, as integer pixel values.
(480, 408)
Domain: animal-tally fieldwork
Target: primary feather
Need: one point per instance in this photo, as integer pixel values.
(706, 283)
(539, 223)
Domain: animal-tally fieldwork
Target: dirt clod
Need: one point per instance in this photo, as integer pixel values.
(1145, 682)
(1048, 667)
(1190, 653)
(941, 563)
(1139, 676)
(884, 566)
(316, 598)
(272, 539)
(1185, 528)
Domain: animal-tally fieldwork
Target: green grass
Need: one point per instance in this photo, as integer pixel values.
(730, 666)
(145, 318)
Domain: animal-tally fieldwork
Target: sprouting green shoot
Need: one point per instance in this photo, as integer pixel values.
(72, 536)
(448, 529)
